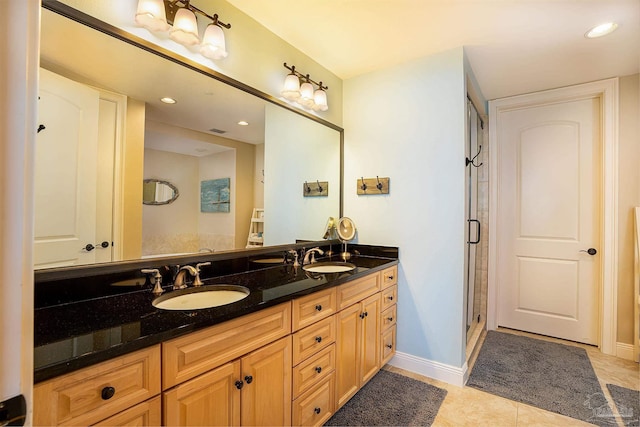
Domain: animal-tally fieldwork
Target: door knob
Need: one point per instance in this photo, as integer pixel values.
(590, 251)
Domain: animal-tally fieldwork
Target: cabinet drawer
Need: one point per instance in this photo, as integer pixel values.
(314, 370)
(315, 406)
(389, 276)
(389, 297)
(313, 338)
(188, 356)
(388, 345)
(82, 397)
(353, 292)
(145, 414)
(388, 318)
(311, 308)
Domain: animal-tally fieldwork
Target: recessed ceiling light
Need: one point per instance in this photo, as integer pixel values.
(168, 100)
(243, 123)
(601, 30)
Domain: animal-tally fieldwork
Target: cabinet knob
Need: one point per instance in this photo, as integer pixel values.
(390, 277)
(319, 307)
(248, 379)
(316, 410)
(390, 297)
(107, 393)
(319, 339)
(239, 384)
(389, 346)
(318, 369)
(390, 319)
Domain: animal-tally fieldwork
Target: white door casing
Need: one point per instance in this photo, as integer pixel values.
(605, 92)
(549, 187)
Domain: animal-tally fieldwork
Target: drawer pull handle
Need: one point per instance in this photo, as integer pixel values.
(389, 346)
(319, 339)
(318, 369)
(390, 297)
(239, 384)
(107, 393)
(248, 379)
(319, 307)
(390, 319)
(316, 410)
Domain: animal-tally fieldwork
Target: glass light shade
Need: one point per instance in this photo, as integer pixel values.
(291, 89)
(213, 43)
(320, 100)
(151, 15)
(185, 28)
(601, 30)
(306, 95)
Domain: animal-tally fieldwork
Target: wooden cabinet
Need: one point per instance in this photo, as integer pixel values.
(145, 414)
(93, 394)
(357, 346)
(252, 390)
(311, 308)
(388, 303)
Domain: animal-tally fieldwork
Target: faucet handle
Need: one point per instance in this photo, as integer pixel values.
(156, 279)
(202, 264)
(196, 280)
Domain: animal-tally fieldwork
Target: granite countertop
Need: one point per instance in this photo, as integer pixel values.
(78, 334)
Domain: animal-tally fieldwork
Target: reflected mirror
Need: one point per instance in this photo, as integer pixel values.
(157, 192)
(106, 130)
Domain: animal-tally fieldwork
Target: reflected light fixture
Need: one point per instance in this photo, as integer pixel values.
(168, 100)
(304, 94)
(178, 17)
(601, 30)
(243, 123)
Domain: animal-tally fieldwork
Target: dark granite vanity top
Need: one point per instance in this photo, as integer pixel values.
(76, 334)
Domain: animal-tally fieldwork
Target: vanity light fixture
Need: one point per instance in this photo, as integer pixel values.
(601, 30)
(178, 17)
(304, 94)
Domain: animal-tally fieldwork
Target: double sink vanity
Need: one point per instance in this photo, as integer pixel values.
(292, 351)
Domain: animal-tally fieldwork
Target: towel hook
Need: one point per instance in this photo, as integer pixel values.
(379, 185)
(307, 188)
(319, 186)
(472, 161)
(364, 185)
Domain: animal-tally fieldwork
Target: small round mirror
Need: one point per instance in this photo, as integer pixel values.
(346, 229)
(157, 192)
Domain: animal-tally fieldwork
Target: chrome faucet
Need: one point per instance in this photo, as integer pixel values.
(178, 281)
(310, 257)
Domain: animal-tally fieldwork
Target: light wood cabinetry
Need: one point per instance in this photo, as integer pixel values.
(292, 364)
(93, 394)
(144, 414)
(185, 357)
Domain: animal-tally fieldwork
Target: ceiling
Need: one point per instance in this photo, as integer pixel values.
(513, 46)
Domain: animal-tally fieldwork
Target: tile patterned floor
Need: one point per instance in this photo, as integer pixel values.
(466, 406)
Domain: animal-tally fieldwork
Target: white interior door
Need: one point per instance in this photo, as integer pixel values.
(65, 172)
(548, 217)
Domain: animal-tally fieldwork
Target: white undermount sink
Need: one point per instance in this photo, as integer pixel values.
(201, 297)
(329, 267)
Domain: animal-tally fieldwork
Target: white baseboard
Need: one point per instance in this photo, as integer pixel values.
(624, 351)
(436, 370)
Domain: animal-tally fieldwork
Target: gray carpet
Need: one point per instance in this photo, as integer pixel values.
(550, 376)
(628, 403)
(390, 399)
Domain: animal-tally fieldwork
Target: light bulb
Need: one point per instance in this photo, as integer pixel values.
(320, 100)
(151, 15)
(291, 89)
(306, 95)
(213, 43)
(185, 28)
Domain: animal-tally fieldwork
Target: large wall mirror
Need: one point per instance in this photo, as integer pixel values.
(104, 130)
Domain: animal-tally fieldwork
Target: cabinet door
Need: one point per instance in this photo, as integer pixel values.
(348, 349)
(266, 395)
(145, 414)
(212, 399)
(370, 339)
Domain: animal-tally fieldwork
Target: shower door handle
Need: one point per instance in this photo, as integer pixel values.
(475, 242)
